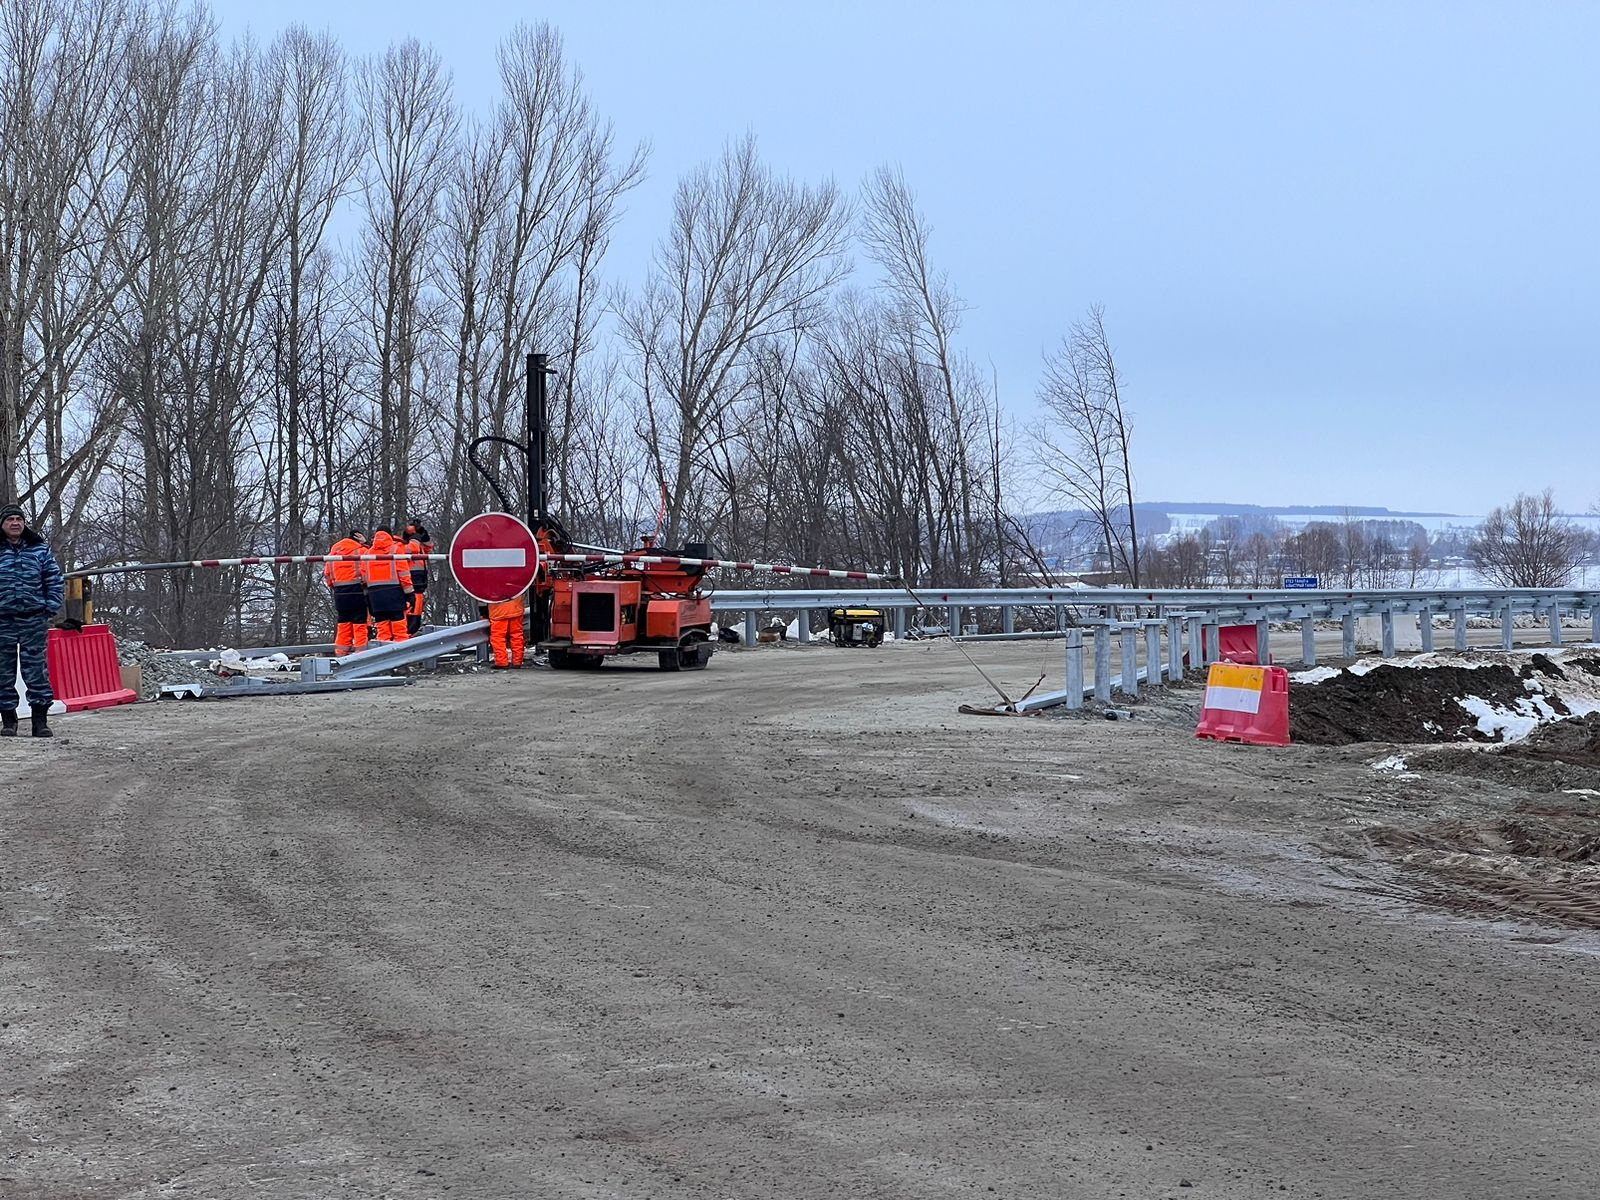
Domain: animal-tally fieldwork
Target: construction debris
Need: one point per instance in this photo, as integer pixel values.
(158, 668)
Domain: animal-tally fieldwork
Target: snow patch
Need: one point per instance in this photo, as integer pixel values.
(1498, 722)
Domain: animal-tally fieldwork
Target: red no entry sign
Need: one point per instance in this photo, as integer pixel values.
(494, 557)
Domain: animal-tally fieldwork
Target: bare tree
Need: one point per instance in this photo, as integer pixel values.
(896, 237)
(1082, 445)
(1528, 544)
(64, 205)
(409, 128)
(749, 256)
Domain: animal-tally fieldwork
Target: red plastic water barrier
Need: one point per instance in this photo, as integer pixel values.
(1245, 704)
(1237, 644)
(84, 672)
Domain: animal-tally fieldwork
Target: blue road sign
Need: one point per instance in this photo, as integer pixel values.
(1300, 581)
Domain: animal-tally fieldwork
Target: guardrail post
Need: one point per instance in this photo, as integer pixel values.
(1555, 622)
(1130, 660)
(1152, 653)
(1594, 621)
(1460, 616)
(1174, 649)
(1074, 642)
(1425, 628)
(899, 624)
(1308, 641)
(1213, 635)
(1197, 642)
(1102, 663)
(802, 624)
(954, 617)
(1061, 616)
(1263, 641)
(1387, 621)
(1007, 619)
(1506, 627)
(750, 627)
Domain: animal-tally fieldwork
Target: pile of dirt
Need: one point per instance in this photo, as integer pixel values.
(1399, 704)
(1563, 756)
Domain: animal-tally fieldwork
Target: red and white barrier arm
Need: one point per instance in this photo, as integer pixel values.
(254, 560)
(633, 560)
(671, 560)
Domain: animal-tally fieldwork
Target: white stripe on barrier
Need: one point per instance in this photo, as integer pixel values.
(511, 556)
(1234, 699)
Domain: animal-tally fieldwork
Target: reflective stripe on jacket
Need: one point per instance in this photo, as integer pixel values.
(385, 570)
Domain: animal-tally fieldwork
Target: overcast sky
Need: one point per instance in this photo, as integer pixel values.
(1348, 252)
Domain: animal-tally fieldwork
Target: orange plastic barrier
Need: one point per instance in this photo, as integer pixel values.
(84, 672)
(1245, 704)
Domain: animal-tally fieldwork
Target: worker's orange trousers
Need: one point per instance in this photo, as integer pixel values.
(392, 631)
(414, 613)
(505, 638)
(349, 637)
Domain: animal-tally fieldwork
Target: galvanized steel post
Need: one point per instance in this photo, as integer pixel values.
(1263, 641)
(1213, 636)
(1308, 641)
(1174, 649)
(1425, 628)
(1074, 641)
(1506, 628)
(1152, 653)
(749, 627)
(955, 620)
(1594, 622)
(1347, 635)
(1130, 660)
(899, 624)
(1061, 616)
(1386, 618)
(1460, 615)
(803, 623)
(1007, 619)
(1555, 622)
(1102, 663)
(1197, 642)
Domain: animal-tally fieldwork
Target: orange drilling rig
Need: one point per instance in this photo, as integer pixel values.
(588, 605)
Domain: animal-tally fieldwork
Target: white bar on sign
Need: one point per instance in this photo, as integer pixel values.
(1233, 699)
(497, 557)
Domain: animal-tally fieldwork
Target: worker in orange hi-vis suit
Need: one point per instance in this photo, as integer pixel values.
(345, 582)
(505, 631)
(421, 545)
(388, 584)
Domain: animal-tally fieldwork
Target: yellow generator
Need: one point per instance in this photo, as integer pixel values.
(856, 626)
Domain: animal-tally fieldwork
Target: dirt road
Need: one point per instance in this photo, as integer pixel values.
(788, 928)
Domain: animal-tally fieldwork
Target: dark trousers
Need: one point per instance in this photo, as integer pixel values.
(24, 637)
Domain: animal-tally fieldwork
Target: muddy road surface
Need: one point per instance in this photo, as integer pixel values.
(791, 927)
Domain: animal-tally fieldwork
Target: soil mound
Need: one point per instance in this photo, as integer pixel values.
(1399, 704)
(1563, 756)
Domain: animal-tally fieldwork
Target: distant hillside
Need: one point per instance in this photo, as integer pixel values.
(1278, 510)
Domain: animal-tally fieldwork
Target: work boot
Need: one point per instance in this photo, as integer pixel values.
(8, 722)
(41, 726)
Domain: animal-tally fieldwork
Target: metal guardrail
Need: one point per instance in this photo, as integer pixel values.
(390, 656)
(1211, 605)
(1322, 602)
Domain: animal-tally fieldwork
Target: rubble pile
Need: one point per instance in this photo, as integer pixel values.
(157, 668)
